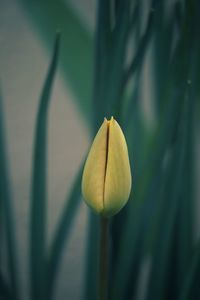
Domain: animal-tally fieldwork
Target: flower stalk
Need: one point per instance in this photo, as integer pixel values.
(104, 259)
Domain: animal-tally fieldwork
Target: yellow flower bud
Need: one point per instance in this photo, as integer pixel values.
(106, 181)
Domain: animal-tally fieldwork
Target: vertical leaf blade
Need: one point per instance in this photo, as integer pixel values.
(62, 233)
(6, 205)
(76, 52)
(5, 292)
(38, 201)
(191, 287)
(92, 258)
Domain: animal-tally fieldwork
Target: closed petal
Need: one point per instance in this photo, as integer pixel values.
(118, 174)
(94, 170)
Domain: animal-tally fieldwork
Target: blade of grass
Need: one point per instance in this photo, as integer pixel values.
(75, 56)
(117, 59)
(5, 293)
(102, 48)
(159, 51)
(110, 57)
(185, 226)
(142, 47)
(145, 185)
(170, 203)
(92, 258)
(191, 288)
(102, 87)
(7, 209)
(132, 121)
(62, 233)
(38, 201)
(166, 35)
(101, 62)
(102, 76)
(163, 268)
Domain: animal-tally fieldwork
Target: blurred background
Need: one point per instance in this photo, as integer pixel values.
(138, 61)
(25, 51)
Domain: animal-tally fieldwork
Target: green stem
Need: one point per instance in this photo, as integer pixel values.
(104, 259)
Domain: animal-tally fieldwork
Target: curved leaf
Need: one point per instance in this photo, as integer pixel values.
(38, 201)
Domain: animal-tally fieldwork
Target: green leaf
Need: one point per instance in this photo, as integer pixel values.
(146, 184)
(175, 246)
(168, 212)
(38, 201)
(109, 59)
(101, 60)
(92, 259)
(142, 48)
(5, 293)
(48, 16)
(191, 288)
(116, 58)
(185, 226)
(62, 233)
(7, 210)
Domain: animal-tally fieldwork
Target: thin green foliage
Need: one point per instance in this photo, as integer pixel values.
(142, 185)
(101, 60)
(157, 223)
(190, 288)
(92, 258)
(107, 78)
(47, 16)
(62, 233)
(142, 47)
(7, 209)
(128, 241)
(144, 191)
(170, 202)
(39, 198)
(5, 292)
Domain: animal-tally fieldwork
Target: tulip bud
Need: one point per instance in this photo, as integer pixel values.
(106, 181)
